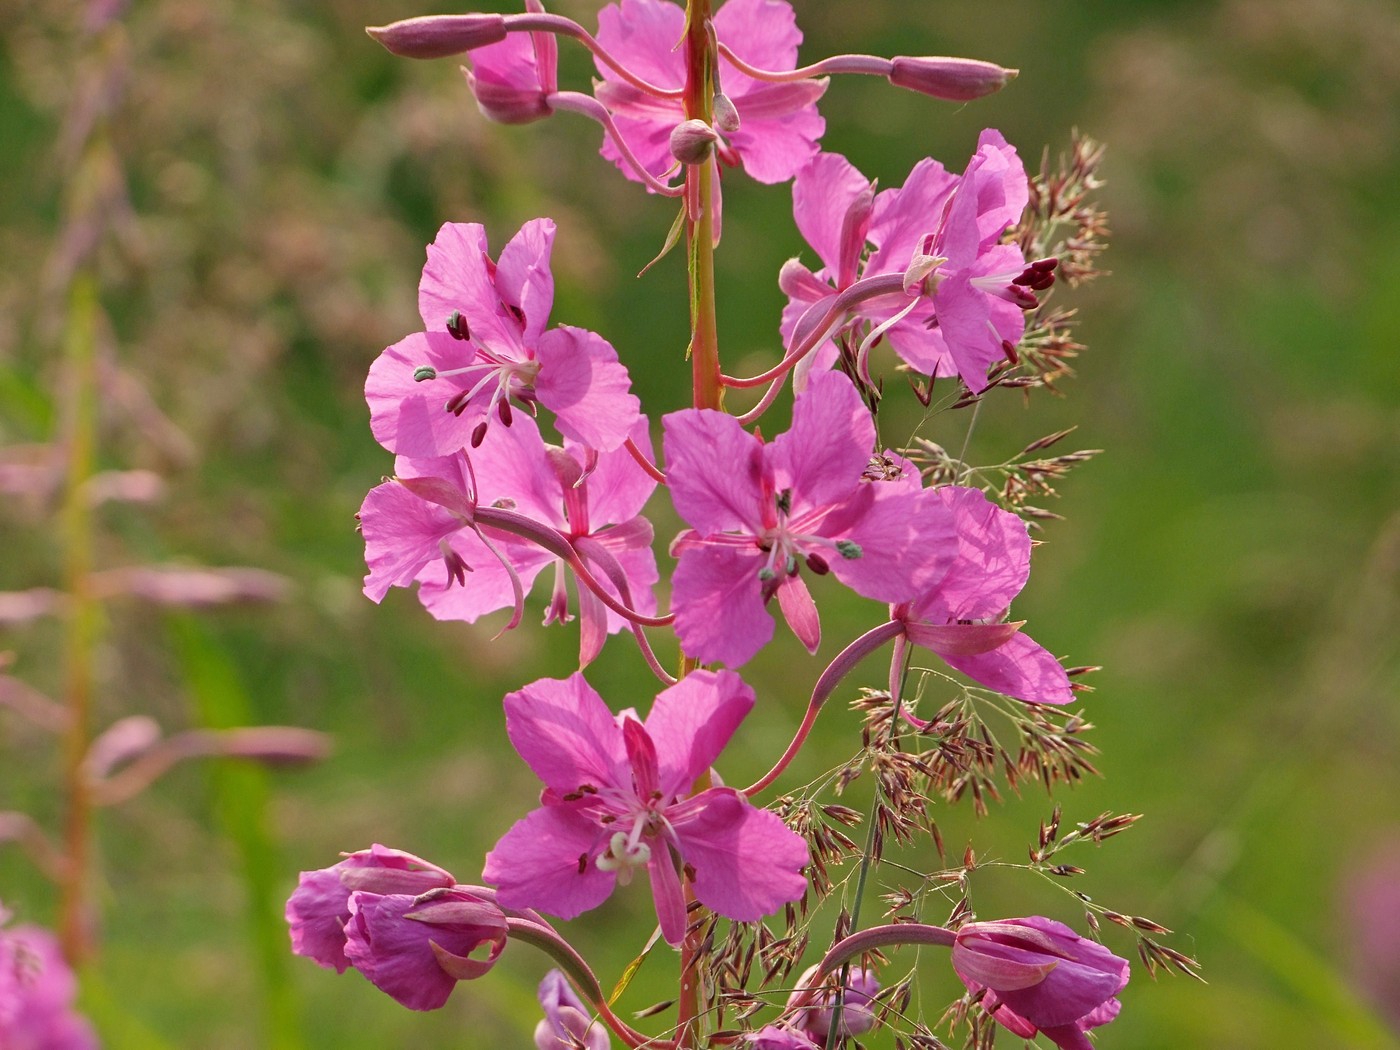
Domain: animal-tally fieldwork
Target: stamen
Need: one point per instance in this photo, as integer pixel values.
(848, 550)
(478, 433)
(457, 326)
(423, 373)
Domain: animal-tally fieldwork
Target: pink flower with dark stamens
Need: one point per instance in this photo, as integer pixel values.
(486, 348)
(1040, 977)
(617, 801)
(761, 512)
(778, 124)
(960, 617)
(417, 528)
(964, 292)
(947, 237)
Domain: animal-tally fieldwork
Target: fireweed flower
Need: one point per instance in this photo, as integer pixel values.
(486, 346)
(319, 907)
(962, 301)
(771, 1037)
(615, 801)
(513, 78)
(760, 512)
(1041, 977)
(417, 528)
(777, 124)
(400, 920)
(37, 990)
(567, 1022)
(960, 616)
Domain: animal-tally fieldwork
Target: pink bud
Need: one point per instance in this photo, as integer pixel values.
(437, 36)
(692, 141)
(951, 79)
(726, 114)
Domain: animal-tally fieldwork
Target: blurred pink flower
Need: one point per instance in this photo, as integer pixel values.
(36, 994)
(1039, 976)
(1372, 895)
(615, 801)
(857, 1011)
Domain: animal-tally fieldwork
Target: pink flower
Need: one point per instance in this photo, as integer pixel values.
(962, 300)
(1040, 977)
(960, 617)
(771, 1037)
(778, 123)
(37, 990)
(760, 512)
(948, 233)
(416, 948)
(319, 907)
(567, 1022)
(616, 801)
(486, 346)
(418, 528)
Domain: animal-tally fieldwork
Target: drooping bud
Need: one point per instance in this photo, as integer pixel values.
(437, 36)
(692, 141)
(726, 114)
(951, 79)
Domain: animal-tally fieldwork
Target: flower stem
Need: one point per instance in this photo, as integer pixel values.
(707, 391)
(75, 920)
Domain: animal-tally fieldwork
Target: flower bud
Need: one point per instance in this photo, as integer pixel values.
(951, 79)
(692, 141)
(726, 114)
(437, 36)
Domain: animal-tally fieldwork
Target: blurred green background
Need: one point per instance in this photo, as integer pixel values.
(1231, 560)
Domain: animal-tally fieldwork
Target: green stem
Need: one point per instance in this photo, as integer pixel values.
(707, 391)
(76, 531)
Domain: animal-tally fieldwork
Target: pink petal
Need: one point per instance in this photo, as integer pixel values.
(537, 863)
(643, 35)
(718, 601)
(489, 587)
(523, 277)
(961, 639)
(457, 276)
(666, 893)
(401, 533)
(800, 611)
(691, 722)
(780, 129)
(763, 33)
(902, 216)
(512, 464)
(566, 734)
(821, 457)
(714, 471)
(901, 544)
(972, 324)
(992, 564)
(822, 194)
(582, 382)
(408, 417)
(619, 488)
(747, 862)
(1020, 668)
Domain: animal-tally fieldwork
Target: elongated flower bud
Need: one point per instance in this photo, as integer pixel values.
(437, 36)
(951, 79)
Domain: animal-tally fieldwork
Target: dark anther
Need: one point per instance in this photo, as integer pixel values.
(818, 564)
(457, 326)
(1009, 349)
(503, 410)
(479, 434)
(458, 403)
(582, 863)
(785, 501)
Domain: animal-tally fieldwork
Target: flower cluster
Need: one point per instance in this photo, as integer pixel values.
(520, 447)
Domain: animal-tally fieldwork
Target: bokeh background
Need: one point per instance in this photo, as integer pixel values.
(1231, 559)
